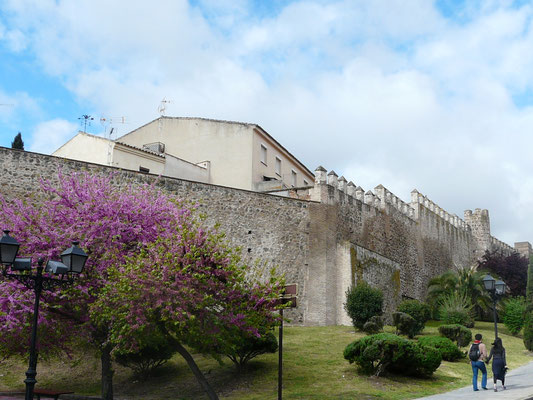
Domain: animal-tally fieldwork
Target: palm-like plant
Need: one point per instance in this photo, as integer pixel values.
(466, 282)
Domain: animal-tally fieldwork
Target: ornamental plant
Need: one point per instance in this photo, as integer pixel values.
(418, 310)
(126, 231)
(447, 349)
(387, 352)
(456, 333)
(362, 303)
(513, 314)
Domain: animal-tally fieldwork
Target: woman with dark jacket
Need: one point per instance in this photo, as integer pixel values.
(499, 364)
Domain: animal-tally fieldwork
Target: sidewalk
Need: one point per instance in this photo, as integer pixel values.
(519, 384)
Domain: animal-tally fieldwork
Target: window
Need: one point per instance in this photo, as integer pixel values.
(306, 183)
(264, 154)
(144, 170)
(278, 166)
(293, 176)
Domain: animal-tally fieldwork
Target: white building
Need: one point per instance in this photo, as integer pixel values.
(224, 153)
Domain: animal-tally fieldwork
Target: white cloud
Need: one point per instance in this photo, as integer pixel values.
(389, 91)
(48, 136)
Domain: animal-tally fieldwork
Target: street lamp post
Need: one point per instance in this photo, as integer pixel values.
(20, 269)
(496, 290)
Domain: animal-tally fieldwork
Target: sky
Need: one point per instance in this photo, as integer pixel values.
(432, 95)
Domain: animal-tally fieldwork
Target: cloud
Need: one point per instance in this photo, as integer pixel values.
(385, 91)
(48, 136)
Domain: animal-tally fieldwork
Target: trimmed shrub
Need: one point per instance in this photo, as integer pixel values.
(405, 324)
(456, 333)
(418, 310)
(387, 352)
(362, 303)
(251, 347)
(373, 325)
(154, 350)
(457, 309)
(447, 349)
(513, 314)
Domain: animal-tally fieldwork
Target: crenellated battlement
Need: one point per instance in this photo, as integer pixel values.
(420, 200)
(329, 188)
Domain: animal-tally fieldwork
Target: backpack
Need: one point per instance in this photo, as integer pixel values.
(474, 352)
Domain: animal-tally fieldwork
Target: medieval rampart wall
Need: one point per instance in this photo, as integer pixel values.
(336, 236)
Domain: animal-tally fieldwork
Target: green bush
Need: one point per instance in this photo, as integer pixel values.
(405, 324)
(362, 303)
(154, 350)
(251, 347)
(447, 349)
(456, 333)
(418, 310)
(457, 309)
(528, 321)
(373, 325)
(513, 314)
(387, 352)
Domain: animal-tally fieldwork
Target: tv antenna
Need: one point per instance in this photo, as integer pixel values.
(85, 119)
(7, 105)
(163, 106)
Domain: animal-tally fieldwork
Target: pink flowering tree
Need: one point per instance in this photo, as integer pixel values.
(117, 227)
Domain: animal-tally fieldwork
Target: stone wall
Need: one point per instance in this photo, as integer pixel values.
(324, 238)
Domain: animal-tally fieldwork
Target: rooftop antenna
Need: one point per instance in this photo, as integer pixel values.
(105, 121)
(84, 119)
(7, 105)
(163, 106)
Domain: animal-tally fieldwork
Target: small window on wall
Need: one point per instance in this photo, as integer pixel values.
(264, 154)
(306, 183)
(278, 166)
(144, 170)
(293, 177)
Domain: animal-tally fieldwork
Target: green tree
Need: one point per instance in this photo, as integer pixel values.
(17, 143)
(362, 303)
(528, 323)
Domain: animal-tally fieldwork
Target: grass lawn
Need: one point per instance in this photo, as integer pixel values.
(314, 368)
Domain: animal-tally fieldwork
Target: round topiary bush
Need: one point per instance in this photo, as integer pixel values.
(362, 303)
(405, 324)
(456, 333)
(373, 325)
(419, 311)
(447, 349)
(387, 352)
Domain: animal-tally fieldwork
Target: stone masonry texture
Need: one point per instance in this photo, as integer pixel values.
(327, 239)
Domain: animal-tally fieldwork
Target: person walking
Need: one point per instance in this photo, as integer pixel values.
(478, 353)
(499, 363)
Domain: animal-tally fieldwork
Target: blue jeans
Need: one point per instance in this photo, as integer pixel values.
(479, 365)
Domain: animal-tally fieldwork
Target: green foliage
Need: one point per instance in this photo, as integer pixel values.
(17, 143)
(447, 349)
(466, 282)
(248, 347)
(418, 310)
(514, 310)
(528, 322)
(456, 333)
(405, 324)
(373, 325)
(457, 309)
(154, 349)
(387, 352)
(362, 303)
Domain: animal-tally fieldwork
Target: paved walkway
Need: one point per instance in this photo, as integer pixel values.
(519, 384)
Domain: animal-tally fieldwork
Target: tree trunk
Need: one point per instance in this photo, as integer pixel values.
(107, 372)
(196, 371)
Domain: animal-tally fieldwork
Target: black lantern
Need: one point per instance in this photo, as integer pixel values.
(500, 287)
(489, 282)
(74, 258)
(9, 248)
